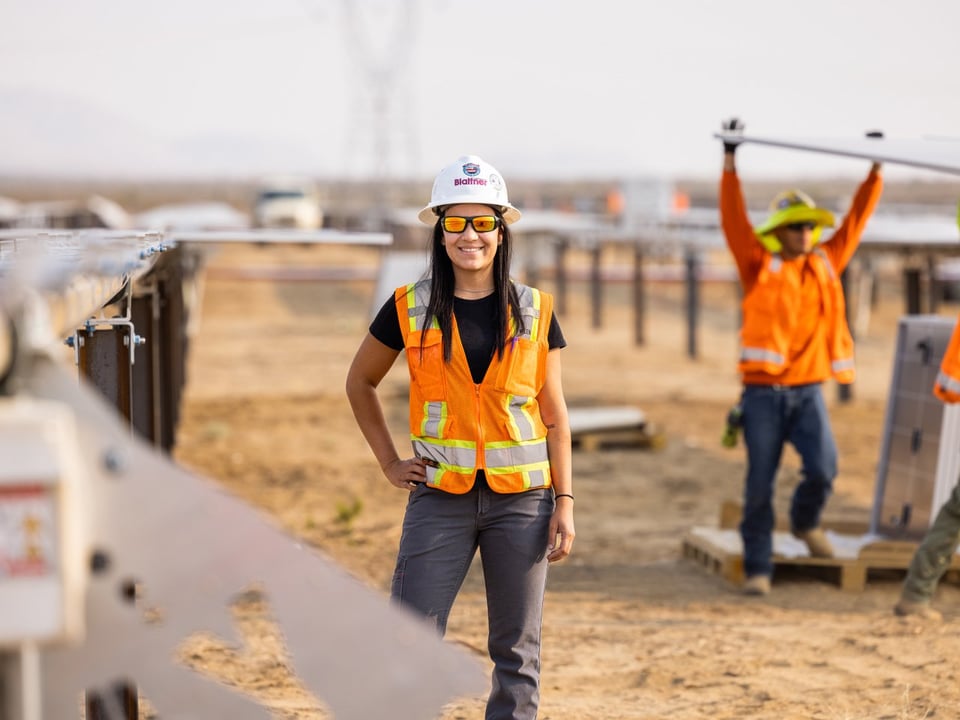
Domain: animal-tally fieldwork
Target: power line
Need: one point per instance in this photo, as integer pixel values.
(380, 38)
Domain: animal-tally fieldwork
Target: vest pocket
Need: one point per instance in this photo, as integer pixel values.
(521, 373)
(426, 363)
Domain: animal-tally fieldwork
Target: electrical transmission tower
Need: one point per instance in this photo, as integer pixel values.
(380, 36)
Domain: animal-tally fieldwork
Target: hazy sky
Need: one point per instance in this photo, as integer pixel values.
(541, 89)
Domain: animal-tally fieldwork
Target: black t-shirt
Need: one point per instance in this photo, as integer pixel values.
(476, 321)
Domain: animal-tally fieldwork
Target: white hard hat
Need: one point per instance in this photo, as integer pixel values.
(470, 179)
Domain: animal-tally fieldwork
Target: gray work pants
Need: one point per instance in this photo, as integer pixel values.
(934, 554)
(441, 534)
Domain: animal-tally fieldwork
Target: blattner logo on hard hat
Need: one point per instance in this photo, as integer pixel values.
(471, 170)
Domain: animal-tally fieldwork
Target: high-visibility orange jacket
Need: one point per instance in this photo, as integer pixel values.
(459, 426)
(794, 315)
(947, 386)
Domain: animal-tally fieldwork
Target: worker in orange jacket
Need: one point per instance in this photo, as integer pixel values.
(794, 337)
(933, 555)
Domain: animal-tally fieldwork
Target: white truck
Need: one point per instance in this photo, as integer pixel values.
(287, 202)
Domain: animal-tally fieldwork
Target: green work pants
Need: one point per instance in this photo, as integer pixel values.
(934, 554)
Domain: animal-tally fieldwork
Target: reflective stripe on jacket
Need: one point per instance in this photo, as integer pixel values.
(947, 386)
(769, 314)
(458, 426)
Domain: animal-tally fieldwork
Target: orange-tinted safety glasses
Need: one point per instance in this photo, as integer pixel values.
(480, 223)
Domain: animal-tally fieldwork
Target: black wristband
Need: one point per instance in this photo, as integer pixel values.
(560, 495)
(730, 147)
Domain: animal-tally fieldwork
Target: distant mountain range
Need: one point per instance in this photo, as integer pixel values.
(54, 135)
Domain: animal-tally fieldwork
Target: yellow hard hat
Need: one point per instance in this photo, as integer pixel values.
(792, 206)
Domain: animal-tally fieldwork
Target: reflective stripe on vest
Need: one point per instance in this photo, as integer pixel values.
(434, 419)
(534, 476)
(418, 299)
(838, 366)
(504, 456)
(520, 418)
(529, 311)
(947, 383)
(752, 354)
(947, 386)
(456, 454)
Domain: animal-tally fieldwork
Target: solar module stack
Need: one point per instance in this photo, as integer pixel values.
(920, 454)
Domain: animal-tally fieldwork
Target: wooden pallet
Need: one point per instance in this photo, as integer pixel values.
(646, 437)
(592, 428)
(718, 560)
(719, 550)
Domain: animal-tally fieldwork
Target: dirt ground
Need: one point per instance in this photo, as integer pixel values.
(632, 629)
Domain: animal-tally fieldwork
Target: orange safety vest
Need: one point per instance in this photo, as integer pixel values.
(947, 386)
(769, 314)
(460, 427)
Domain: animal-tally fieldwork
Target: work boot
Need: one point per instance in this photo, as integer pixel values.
(922, 610)
(757, 585)
(816, 541)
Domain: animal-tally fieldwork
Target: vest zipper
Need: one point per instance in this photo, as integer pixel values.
(481, 462)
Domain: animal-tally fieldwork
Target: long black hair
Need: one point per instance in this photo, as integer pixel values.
(442, 287)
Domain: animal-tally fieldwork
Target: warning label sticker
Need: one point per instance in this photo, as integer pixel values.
(27, 531)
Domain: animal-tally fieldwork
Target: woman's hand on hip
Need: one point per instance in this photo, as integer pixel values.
(406, 474)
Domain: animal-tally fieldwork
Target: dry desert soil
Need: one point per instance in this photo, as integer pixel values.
(632, 628)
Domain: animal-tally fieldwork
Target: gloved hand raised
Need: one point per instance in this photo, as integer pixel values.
(731, 127)
(878, 135)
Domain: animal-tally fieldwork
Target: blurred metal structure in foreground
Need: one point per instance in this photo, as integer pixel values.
(111, 556)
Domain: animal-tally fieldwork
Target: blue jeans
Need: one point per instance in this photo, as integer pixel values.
(772, 416)
(441, 534)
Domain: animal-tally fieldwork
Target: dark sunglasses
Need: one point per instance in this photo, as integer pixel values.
(480, 223)
(800, 227)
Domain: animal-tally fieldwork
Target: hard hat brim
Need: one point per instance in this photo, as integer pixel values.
(428, 217)
(798, 213)
(773, 244)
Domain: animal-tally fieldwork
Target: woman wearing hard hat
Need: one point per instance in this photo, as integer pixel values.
(488, 423)
(794, 337)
